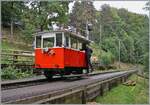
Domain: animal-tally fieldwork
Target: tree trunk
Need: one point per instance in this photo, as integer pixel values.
(11, 31)
(41, 28)
(11, 24)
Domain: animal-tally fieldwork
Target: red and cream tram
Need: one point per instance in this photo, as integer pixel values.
(59, 52)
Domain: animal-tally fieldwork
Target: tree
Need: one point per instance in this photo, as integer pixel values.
(130, 28)
(11, 14)
(43, 13)
(38, 15)
(82, 13)
(147, 6)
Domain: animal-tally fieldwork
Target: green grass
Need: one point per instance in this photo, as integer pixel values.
(19, 42)
(127, 94)
(6, 45)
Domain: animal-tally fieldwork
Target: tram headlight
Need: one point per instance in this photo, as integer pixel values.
(45, 49)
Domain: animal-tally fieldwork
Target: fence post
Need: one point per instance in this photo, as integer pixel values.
(84, 96)
(15, 57)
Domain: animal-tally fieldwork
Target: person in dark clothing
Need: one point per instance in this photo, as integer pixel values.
(88, 53)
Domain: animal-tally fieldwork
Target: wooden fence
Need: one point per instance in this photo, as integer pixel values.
(16, 57)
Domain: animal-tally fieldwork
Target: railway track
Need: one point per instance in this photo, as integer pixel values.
(52, 92)
(12, 84)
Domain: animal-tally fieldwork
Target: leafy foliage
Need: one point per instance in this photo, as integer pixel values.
(43, 13)
(147, 7)
(107, 58)
(34, 15)
(11, 11)
(130, 28)
(82, 13)
(146, 61)
(13, 73)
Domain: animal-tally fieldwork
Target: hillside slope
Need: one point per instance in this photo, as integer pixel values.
(18, 42)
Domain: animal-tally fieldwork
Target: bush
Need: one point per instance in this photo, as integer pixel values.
(107, 58)
(146, 62)
(8, 73)
(13, 73)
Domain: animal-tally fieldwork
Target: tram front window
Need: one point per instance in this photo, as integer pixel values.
(38, 41)
(73, 43)
(48, 42)
(59, 39)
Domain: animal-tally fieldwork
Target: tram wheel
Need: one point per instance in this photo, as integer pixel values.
(48, 74)
(80, 71)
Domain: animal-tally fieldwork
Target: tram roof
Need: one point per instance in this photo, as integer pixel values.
(78, 36)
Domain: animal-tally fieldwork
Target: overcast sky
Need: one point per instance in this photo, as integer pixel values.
(133, 6)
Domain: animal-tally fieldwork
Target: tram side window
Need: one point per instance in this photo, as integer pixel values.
(79, 45)
(59, 39)
(38, 41)
(66, 41)
(73, 43)
(48, 42)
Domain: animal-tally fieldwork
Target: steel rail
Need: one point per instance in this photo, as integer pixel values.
(12, 84)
